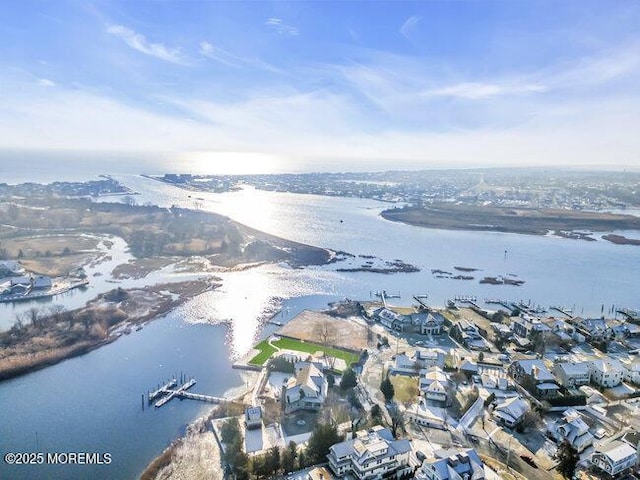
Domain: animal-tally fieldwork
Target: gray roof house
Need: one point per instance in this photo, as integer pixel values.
(372, 454)
(452, 464)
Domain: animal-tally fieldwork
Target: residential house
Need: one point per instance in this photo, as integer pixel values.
(615, 457)
(594, 329)
(429, 325)
(572, 428)
(452, 464)
(606, 373)
(534, 377)
(631, 371)
(253, 417)
(427, 415)
(433, 384)
(468, 334)
(42, 282)
(372, 454)
(306, 390)
(524, 327)
(390, 319)
(572, 374)
(511, 411)
(420, 360)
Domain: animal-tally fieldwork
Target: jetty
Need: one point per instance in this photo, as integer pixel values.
(420, 299)
(563, 310)
(630, 315)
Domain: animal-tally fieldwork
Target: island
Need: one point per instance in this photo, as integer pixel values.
(530, 221)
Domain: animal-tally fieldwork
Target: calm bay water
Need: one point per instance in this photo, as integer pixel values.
(92, 403)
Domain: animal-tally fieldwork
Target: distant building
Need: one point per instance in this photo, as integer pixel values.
(253, 417)
(572, 428)
(42, 282)
(452, 464)
(572, 374)
(307, 390)
(372, 454)
(11, 268)
(615, 457)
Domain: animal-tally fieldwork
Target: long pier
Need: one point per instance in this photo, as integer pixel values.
(562, 310)
(420, 298)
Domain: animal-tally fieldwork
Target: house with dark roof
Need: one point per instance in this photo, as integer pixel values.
(372, 454)
(572, 428)
(534, 376)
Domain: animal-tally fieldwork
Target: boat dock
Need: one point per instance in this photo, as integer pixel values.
(562, 310)
(630, 315)
(168, 392)
(470, 299)
(420, 299)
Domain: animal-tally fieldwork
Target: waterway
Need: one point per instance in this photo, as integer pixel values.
(92, 403)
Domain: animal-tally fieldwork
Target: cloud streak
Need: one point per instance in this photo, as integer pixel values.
(282, 28)
(139, 43)
(409, 26)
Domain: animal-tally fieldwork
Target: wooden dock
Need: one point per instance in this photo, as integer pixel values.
(168, 392)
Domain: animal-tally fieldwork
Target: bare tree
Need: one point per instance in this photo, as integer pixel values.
(325, 331)
(56, 312)
(34, 314)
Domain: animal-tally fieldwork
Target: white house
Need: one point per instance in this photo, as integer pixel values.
(371, 455)
(615, 457)
(632, 371)
(430, 326)
(572, 374)
(307, 390)
(606, 373)
(511, 412)
(452, 464)
(434, 384)
(11, 268)
(572, 428)
(427, 415)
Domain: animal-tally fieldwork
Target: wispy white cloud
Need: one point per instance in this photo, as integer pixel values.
(139, 42)
(282, 28)
(409, 26)
(478, 91)
(45, 82)
(218, 54)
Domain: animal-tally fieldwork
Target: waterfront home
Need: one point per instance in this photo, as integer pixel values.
(524, 327)
(594, 329)
(429, 325)
(372, 454)
(572, 428)
(451, 464)
(420, 360)
(468, 334)
(615, 458)
(306, 391)
(42, 282)
(606, 373)
(390, 319)
(572, 374)
(511, 411)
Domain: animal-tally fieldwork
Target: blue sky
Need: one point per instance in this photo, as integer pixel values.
(291, 86)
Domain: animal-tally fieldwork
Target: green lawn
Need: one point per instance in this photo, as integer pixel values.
(267, 350)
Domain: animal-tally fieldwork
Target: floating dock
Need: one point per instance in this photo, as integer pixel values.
(168, 392)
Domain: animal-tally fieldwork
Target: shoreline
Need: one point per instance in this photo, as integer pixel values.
(25, 362)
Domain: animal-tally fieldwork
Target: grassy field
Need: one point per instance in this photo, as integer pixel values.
(266, 350)
(406, 388)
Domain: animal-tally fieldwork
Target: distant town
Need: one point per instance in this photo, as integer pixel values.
(534, 188)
